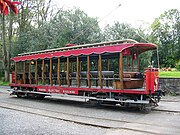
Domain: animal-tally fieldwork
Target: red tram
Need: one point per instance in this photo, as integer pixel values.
(106, 72)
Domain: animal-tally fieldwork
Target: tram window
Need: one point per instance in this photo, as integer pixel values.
(114, 65)
(39, 67)
(154, 59)
(27, 67)
(104, 65)
(32, 66)
(63, 66)
(20, 67)
(93, 64)
(135, 65)
(54, 68)
(54, 65)
(145, 58)
(46, 67)
(127, 63)
(130, 63)
(72, 66)
(83, 65)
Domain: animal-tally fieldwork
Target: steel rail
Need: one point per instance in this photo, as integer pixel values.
(79, 122)
(91, 117)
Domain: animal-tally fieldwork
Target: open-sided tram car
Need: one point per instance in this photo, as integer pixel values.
(106, 72)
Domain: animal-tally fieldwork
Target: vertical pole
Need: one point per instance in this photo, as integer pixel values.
(43, 68)
(67, 73)
(108, 64)
(138, 63)
(77, 71)
(58, 72)
(36, 72)
(132, 61)
(127, 63)
(15, 72)
(65, 66)
(121, 69)
(30, 72)
(80, 66)
(50, 73)
(24, 72)
(100, 70)
(88, 71)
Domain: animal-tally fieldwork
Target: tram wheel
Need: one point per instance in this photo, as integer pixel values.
(40, 96)
(19, 95)
(122, 103)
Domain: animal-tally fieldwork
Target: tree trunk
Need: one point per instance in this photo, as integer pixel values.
(10, 41)
(4, 51)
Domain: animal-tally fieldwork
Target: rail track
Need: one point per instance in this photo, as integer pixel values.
(83, 119)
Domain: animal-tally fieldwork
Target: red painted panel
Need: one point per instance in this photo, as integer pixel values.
(152, 79)
(74, 90)
(13, 77)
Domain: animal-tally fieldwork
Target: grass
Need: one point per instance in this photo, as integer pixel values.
(2, 83)
(170, 74)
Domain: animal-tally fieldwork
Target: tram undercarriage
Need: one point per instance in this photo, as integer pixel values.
(141, 101)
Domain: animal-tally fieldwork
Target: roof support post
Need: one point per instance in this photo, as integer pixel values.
(121, 69)
(15, 72)
(88, 71)
(65, 66)
(108, 62)
(127, 63)
(36, 72)
(132, 64)
(138, 63)
(58, 71)
(77, 71)
(100, 70)
(43, 69)
(67, 73)
(24, 72)
(30, 72)
(132, 57)
(50, 73)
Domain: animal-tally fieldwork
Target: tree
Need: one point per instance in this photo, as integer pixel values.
(166, 33)
(72, 26)
(4, 4)
(120, 31)
(29, 22)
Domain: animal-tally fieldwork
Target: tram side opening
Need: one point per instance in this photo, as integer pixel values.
(107, 70)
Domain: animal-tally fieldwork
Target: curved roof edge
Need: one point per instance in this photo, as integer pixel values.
(142, 47)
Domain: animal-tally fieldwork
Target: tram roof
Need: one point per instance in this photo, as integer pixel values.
(97, 48)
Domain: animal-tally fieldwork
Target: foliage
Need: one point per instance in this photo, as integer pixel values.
(120, 31)
(178, 65)
(72, 26)
(32, 17)
(166, 33)
(2, 83)
(123, 31)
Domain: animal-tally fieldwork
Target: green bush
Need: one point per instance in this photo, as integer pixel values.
(178, 66)
(1, 74)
